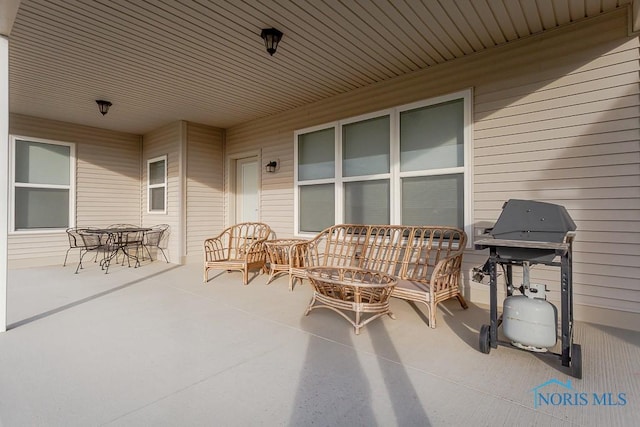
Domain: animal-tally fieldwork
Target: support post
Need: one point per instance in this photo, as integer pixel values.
(4, 177)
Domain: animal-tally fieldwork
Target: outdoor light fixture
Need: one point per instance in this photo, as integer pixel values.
(103, 106)
(271, 166)
(271, 38)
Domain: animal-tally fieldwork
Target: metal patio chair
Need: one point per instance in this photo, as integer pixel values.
(91, 242)
(76, 241)
(156, 239)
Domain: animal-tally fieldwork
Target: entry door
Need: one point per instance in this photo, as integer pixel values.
(247, 201)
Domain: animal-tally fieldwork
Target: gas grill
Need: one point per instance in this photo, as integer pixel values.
(528, 233)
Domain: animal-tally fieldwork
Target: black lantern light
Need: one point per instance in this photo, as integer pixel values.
(271, 38)
(271, 166)
(103, 106)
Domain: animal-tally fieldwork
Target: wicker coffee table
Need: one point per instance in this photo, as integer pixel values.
(351, 290)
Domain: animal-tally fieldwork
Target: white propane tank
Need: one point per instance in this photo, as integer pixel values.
(530, 322)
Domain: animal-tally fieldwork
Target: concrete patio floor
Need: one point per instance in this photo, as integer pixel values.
(154, 346)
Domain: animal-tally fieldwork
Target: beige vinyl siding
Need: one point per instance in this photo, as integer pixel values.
(573, 142)
(204, 186)
(166, 140)
(107, 184)
(556, 118)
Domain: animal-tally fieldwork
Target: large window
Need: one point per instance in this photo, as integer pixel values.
(42, 184)
(157, 185)
(408, 165)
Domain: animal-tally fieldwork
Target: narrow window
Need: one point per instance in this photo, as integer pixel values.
(157, 184)
(316, 180)
(366, 171)
(432, 164)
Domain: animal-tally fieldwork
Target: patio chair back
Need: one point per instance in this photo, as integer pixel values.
(242, 238)
(91, 241)
(131, 238)
(75, 241)
(87, 242)
(156, 238)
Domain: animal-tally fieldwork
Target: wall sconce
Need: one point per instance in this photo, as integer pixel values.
(271, 38)
(271, 166)
(103, 106)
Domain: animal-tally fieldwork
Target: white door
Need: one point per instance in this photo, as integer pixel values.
(247, 201)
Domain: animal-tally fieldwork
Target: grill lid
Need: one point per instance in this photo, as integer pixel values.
(533, 221)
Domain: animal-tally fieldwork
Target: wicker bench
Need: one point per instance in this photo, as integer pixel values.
(425, 260)
(239, 247)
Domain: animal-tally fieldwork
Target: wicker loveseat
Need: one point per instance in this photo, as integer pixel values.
(239, 247)
(426, 260)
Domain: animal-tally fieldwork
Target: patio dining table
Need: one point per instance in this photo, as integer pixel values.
(116, 240)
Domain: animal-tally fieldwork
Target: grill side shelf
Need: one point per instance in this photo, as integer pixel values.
(559, 248)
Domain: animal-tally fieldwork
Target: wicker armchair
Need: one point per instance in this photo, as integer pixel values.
(239, 247)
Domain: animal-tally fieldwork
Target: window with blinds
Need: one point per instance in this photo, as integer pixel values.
(407, 165)
(42, 182)
(157, 185)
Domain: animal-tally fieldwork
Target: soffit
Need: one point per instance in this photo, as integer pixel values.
(160, 61)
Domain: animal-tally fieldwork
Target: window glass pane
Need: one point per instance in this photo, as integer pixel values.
(317, 207)
(157, 199)
(365, 147)
(433, 200)
(38, 163)
(41, 208)
(366, 202)
(156, 172)
(316, 155)
(432, 137)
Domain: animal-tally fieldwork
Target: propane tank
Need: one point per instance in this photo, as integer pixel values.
(529, 321)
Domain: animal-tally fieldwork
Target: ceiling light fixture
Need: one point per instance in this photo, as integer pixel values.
(103, 106)
(271, 38)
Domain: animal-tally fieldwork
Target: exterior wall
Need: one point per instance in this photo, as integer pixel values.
(204, 187)
(556, 119)
(111, 178)
(194, 194)
(107, 184)
(572, 140)
(166, 140)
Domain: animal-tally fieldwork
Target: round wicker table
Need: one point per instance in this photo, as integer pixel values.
(347, 289)
(279, 258)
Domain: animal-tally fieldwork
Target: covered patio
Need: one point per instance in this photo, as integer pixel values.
(156, 346)
(551, 112)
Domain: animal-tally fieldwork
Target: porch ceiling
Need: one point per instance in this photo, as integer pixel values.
(159, 61)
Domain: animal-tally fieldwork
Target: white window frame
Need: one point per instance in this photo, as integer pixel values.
(395, 176)
(71, 187)
(153, 186)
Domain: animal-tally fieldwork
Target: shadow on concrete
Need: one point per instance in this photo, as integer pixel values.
(93, 297)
